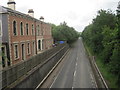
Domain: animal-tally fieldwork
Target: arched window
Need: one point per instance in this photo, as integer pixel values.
(28, 48)
(21, 28)
(32, 29)
(14, 28)
(27, 31)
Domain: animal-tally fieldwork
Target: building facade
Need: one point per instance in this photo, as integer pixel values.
(47, 35)
(0, 38)
(22, 35)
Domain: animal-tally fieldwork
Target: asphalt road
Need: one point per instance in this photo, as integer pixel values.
(76, 71)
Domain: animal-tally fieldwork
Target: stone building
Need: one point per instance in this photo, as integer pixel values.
(23, 35)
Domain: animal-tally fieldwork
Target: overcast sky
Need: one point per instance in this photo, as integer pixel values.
(77, 13)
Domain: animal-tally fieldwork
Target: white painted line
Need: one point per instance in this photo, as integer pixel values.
(56, 77)
(77, 58)
(76, 64)
(52, 69)
(75, 73)
(58, 73)
(72, 88)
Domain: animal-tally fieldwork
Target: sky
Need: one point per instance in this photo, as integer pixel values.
(76, 13)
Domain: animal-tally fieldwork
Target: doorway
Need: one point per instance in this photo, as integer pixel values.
(23, 51)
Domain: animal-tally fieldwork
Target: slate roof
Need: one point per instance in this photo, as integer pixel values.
(8, 10)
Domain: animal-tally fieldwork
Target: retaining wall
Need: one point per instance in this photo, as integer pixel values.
(29, 73)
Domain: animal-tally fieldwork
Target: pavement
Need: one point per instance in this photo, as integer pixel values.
(74, 71)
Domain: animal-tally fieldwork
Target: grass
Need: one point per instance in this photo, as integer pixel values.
(109, 77)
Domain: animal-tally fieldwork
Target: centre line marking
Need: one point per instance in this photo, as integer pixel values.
(76, 64)
(77, 58)
(72, 88)
(74, 73)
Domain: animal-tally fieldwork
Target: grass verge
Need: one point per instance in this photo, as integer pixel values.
(109, 77)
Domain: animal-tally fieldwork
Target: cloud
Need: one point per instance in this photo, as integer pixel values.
(77, 13)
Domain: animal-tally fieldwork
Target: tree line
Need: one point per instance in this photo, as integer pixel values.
(63, 32)
(103, 37)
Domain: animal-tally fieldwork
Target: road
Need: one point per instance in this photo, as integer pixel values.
(76, 71)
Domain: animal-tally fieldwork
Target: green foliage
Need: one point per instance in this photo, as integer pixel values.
(108, 43)
(115, 63)
(63, 32)
(103, 37)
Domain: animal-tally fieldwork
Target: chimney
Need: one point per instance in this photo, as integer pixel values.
(42, 18)
(31, 12)
(11, 4)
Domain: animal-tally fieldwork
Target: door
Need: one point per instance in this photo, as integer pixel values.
(23, 51)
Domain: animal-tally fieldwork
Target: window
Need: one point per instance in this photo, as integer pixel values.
(23, 51)
(38, 30)
(27, 31)
(0, 28)
(16, 51)
(39, 45)
(14, 28)
(32, 29)
(21, 28)
(28, 48)
(3, 56)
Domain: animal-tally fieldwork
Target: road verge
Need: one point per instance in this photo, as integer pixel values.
(101, 83)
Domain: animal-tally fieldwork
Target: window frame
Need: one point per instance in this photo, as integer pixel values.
(28, 48)
(33, 30)
(14, 28)
(5, 56)
(21, 28)
(27, 29)
(15, 58)
(24, 51)
(39, 45)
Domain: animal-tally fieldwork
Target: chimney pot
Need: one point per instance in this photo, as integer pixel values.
(41, 18)
(11, 4)
(31, 12)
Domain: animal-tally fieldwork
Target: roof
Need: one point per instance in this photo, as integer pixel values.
(8, 10)
(2, 10)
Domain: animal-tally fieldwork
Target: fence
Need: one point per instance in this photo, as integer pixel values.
(45, 61)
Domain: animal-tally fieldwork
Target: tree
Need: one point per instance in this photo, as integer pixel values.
(108, 43)
(63, 32)
(118, 19)
(103, 37)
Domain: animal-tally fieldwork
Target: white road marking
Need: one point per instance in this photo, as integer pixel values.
(56, 77)
(77, 58)
(75, 73)
(76, 64)
(72, 88)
